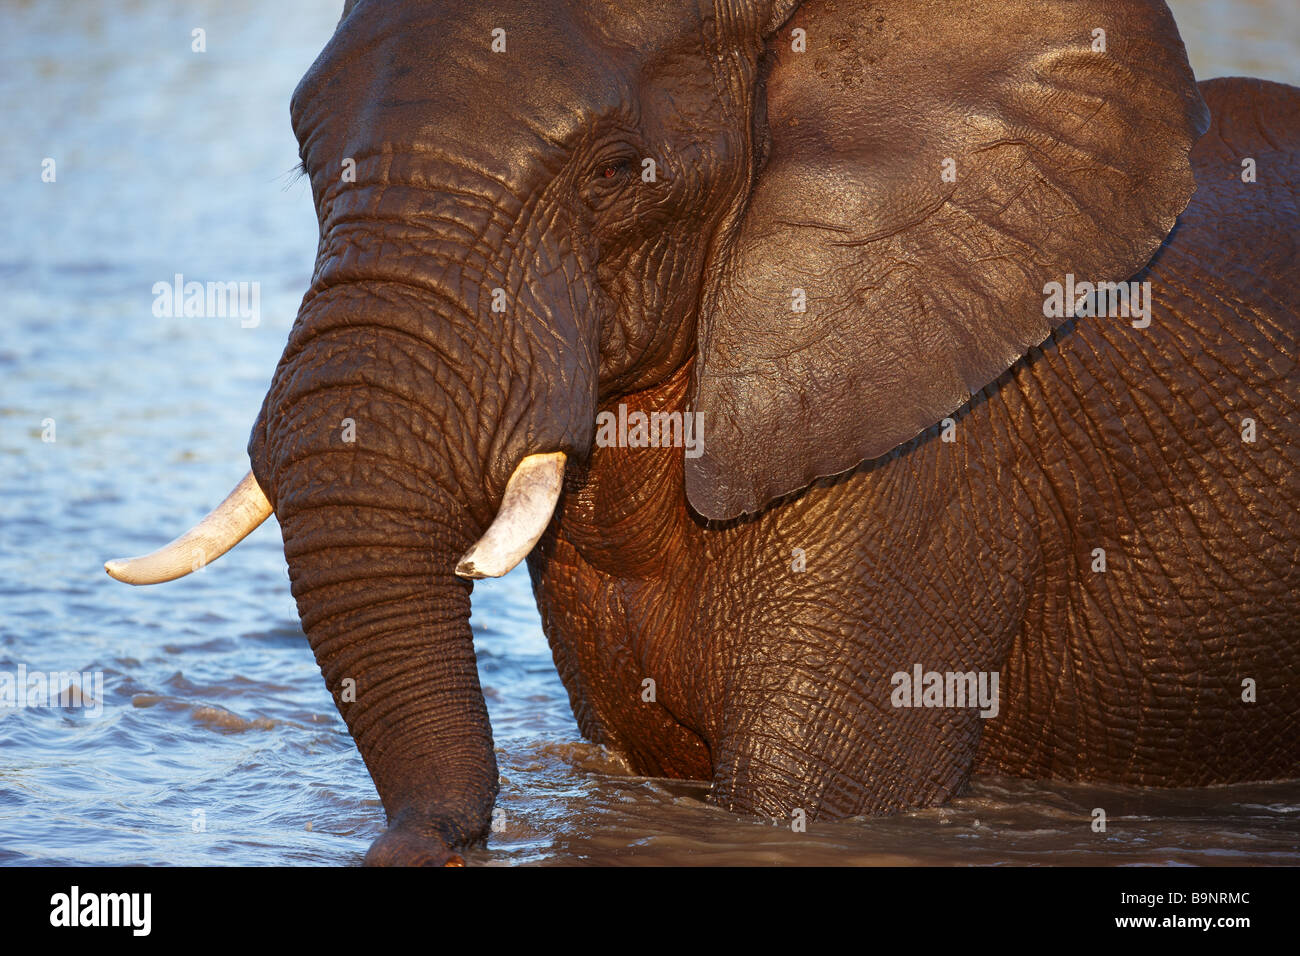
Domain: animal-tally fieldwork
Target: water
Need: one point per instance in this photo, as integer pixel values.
(218, 743)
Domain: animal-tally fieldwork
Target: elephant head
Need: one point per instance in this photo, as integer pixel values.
(839, 216)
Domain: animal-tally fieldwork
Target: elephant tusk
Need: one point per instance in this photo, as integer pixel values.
(229, 523)
(526, 509)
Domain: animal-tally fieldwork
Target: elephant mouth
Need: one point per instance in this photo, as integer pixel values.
(526, 508)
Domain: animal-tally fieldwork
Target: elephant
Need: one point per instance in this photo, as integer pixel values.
(967, 334)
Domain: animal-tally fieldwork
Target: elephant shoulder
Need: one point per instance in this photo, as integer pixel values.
(1250, 118)
(1243, 222)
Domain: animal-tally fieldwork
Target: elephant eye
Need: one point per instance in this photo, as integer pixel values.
(610, 171)
(607, 179)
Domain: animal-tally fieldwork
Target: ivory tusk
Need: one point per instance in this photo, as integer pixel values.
(526, 509)
(229, 523)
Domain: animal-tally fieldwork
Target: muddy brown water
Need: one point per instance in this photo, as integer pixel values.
(217, 743)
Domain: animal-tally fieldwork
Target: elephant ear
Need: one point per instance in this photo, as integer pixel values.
(931, 167)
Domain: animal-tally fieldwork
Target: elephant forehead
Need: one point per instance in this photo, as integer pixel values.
(492, 82)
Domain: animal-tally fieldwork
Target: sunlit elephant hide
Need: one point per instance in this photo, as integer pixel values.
(881, 393)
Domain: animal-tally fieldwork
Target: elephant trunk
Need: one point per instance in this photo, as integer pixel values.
(395, 457)
(368, 455)
(414, 436)
(389, 625)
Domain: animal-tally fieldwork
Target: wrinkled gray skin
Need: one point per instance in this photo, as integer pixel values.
(822, 171)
